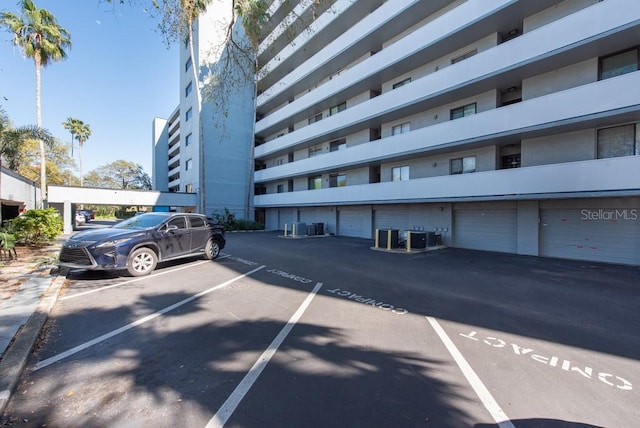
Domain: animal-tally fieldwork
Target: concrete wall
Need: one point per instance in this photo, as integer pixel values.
(159, 154)
(17, 191)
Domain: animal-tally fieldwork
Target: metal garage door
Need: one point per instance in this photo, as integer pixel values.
(605, 235)
(395, 217)
(286, 216)
(485, 229)
(354, 222)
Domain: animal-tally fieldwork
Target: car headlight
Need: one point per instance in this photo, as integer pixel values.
(111, 243)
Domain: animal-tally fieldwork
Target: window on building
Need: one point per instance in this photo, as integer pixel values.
(400, 173)
(315, 150)
(464, 56)
(402, 83)
(401, 129)
(188, 89)
(188, 140)
(188, 64)
(463, 165)
(510, 161)
(316, 118)
(618, 141)
(188, 188)
(463, 111)
(188, 165)
(337, 180)
(188, 115)
(279, 162)
(315, 182)
(280, 188)
(618, 64)
(336, 145)
(337, 109)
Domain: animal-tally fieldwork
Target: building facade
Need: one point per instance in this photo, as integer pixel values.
(17, 194)
(502, 125)
(205, 145)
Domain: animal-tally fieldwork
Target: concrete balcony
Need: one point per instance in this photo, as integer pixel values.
(174, 150)
(174, 183)
(564, 111)
(569, 40)
(575, 179)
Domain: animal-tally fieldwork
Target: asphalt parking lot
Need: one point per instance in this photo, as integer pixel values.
(326, 332)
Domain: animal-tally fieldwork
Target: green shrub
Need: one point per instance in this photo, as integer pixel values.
(37, 227)
(247, 225)
(230, 222)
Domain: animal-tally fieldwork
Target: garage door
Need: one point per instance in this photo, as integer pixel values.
(605, 235)
(286, 216)
(485, 229)
(391, 217)
(354, 222)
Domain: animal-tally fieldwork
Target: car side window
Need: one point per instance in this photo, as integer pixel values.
(179, 222)
(196, 222)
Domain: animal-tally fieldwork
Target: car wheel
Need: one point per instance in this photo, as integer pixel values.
(212, 249)
(142, 262)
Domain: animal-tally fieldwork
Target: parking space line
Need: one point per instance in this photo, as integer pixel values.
(75, 350)
(481, 390)
(84, 293)
(224, 413)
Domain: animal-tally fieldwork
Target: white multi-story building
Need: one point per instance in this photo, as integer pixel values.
(502, 125)
(205, 145)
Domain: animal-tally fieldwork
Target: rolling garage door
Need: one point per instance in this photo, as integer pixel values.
(286, 216)
(354, 222)
(485, 229)
(603, 235)
(393, 217)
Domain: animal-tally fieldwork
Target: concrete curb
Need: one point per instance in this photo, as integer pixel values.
(15, 358)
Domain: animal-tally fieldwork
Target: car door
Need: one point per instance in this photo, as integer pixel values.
(199, 233)
(177, 238)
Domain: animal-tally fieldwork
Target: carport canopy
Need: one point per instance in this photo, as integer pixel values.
(68, 195)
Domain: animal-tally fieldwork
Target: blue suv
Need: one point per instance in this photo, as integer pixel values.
(139, 243)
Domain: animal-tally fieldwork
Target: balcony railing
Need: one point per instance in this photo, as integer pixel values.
(572, 179)
(559, 112)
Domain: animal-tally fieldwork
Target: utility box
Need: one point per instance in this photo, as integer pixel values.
(383, 238)
(319, 228)
(299, 228)
(432, 240)
(311, 229)
(418, 240)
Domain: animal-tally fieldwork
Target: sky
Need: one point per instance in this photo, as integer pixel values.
(119, 75)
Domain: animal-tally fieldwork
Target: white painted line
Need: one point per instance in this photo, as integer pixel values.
(224, 413)
(75, 350)
(137, 279)
(483, 393)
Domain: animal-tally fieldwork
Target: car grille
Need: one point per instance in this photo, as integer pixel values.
(77, 256)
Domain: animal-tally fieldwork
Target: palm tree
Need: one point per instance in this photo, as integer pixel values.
(82, 131)
(191, 10)
(11, 139)
(40, 37)
(69, 125)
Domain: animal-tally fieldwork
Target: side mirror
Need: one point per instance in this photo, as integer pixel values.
(171, 227)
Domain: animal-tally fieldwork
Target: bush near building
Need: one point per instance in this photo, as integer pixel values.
(36, 227)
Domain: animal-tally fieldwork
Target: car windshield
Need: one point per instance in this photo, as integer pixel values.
(146, 221)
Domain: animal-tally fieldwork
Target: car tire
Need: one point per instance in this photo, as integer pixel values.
(142, 262)
(212, 249)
